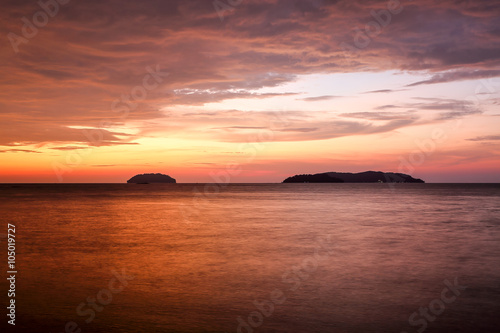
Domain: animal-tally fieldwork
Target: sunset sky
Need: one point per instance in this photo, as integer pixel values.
(249, 90)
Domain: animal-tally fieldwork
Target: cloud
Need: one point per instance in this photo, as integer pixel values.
(69, 148)
(19, 151)
(458, 76)
(381, 115)
(318, 98)
(381, 91)
(94, 53)
(387, 106)
(450, 108)
(251, 126)
(197, 96)
(457, 114)
(303, 129)
(239, 127)
(486, 138)
(32, 133)
(447, 109)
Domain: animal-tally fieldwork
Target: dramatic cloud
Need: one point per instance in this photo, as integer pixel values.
(113, 72)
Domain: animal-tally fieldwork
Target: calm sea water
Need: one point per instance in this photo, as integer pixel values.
(261, 258)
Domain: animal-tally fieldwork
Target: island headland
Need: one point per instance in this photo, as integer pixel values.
(151, 178)
(346, 177)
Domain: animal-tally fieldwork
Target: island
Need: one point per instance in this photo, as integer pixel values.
(346, 177)
(149, 178)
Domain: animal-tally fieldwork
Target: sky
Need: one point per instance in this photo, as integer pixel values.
(248, 90)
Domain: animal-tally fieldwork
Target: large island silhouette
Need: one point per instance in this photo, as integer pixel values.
(346, 177)
(148, 178)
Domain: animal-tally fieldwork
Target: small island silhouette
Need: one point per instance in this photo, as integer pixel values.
(346, 177)
(148, 178)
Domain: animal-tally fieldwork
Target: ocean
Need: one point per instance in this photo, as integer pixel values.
(253, 257)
